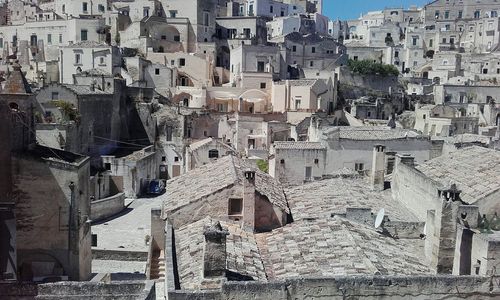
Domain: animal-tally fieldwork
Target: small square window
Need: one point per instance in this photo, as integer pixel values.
(262, 85)
(182, 62)
(163, 158)
(176, 159)
(316, 161)
(157, 71)
(107, 166)
(235, 207)
(282, 161)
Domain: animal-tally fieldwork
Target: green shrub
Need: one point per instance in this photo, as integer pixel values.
(367, 67)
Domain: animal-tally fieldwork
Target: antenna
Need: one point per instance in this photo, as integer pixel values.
(380, 218)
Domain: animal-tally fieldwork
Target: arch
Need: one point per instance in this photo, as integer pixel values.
(14, 106)
(254, 95)
(27, 272)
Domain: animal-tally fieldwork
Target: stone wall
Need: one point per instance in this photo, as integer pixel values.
(365, 287)
(123, 290)
(107, 207)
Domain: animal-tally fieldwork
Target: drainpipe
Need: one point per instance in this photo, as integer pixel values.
(70, 221)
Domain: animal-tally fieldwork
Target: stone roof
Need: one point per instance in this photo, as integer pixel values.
(299, 146)
(335, 246)
(371, 133)
(243, 256)
(466, 138)
(299, 82)
(86, 90)
(219, 175)
(320, 199)
(198, 144)
(88, 44)
(16, 83)
(475, 170)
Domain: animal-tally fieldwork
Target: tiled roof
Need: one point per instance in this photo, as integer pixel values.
(16, 83)
(475, 170)
(213, 177)
(88, 44)
(85, 90)
(243, 256)
(300, 82)
(299, 146)
(371, 133)
(335, 246)
(320, 199)
(466, 138)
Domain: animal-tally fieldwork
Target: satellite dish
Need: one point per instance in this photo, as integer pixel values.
(380, 218)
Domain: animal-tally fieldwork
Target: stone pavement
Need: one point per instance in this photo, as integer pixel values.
(128, 231)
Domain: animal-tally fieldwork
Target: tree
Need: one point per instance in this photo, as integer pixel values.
(367, 67)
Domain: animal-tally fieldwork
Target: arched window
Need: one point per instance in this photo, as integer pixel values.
(214, 153)
(14, 106)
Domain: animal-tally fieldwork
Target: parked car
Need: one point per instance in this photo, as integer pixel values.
(154, 187)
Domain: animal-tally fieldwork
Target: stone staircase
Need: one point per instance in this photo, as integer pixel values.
(157, 271)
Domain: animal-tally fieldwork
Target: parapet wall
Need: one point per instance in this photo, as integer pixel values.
(354, 287)
(103, 208)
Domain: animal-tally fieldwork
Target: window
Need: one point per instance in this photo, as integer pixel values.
(294, 48)
(33, 40)
(308, 173)
(78, 58)
(1, 42)
(446, 14)
(84, 6)
(173, 13)
(49, 39)
(177, 38)
(396, 54)
(107, 166)
(182, 62)
(102, 61)
(145, 11)
(297, 103)
(311, 63)
(260, 66)
(157, 71)
(359, 167)
(213, 153)
(83, 34)
(316, 161)
(55, 96)
(494, 14)
(60, 38)
(163, 37)
(176, 159)
(313, 49)
(101, 8)
(414, 41)
(355, 58)
(436, 14)
(163, 158)
(282, 161)
(235, 207)
(262, 85)
(431, 42)
(460, 14)
(271, 9)
(477, 14)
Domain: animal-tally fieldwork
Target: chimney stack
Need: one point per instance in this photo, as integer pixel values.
(249, 200)
(378, 168)
(214, 256)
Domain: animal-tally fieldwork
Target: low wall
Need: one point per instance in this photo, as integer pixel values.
(104, 208)
(123, 290)
(356, 287)
(123, 255)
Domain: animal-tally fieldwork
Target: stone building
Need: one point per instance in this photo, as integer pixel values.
(230, 190)
(474, 170)
(51, 192)
(332, 149)
(206, 151)
(440, 120)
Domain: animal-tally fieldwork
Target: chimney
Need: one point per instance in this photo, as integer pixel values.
(405, 159)
(249, 200)
(378, 168)
(442, 230)
(214, 256)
